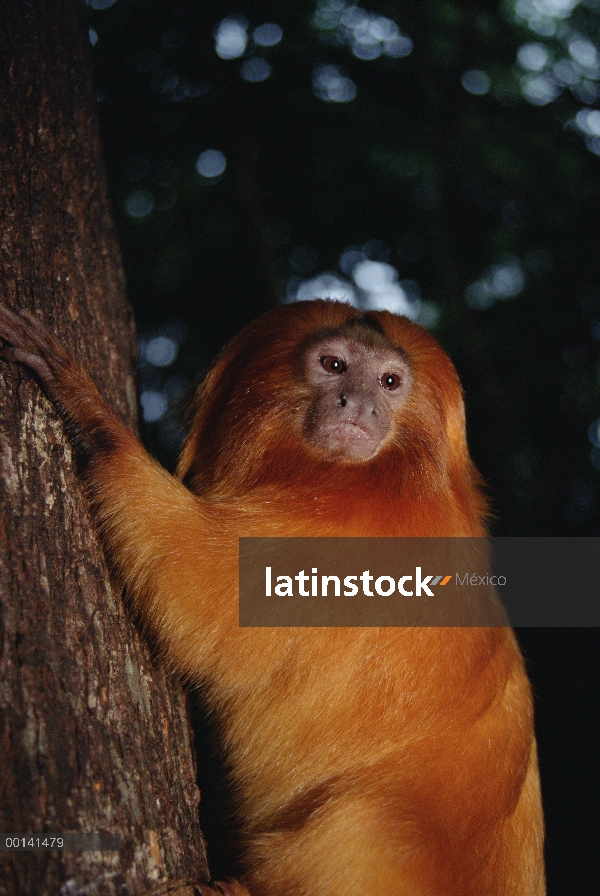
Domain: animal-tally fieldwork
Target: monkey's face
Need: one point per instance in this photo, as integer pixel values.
(356, 384)
(315, 382)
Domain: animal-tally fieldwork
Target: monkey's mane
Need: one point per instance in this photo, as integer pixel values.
(247, 430)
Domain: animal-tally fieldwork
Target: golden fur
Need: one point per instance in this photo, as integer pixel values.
(366, 761)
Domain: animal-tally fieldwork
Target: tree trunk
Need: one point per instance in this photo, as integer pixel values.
(93, 737)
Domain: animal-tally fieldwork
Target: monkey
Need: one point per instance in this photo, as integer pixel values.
(364, 761)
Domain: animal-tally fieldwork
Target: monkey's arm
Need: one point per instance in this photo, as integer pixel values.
(150, 524)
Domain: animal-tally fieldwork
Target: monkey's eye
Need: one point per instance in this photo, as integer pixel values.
(390, 381)
(332, 364)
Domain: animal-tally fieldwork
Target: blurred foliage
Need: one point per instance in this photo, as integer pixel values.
(454, 144)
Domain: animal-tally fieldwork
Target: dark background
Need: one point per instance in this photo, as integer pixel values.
(453, 145)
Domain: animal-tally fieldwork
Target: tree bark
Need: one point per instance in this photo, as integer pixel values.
(93, 736)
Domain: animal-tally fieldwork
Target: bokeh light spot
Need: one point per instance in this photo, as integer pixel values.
(540, 15)
(211, 163)
(588, 121)
(154, 405)
(231, 37)
(476, 82)
(429, 315)
(331, 85)
(565, 74)
(160, 351)
(374, 275)
(398, 47)
(594, 433)
(325, 286)
(350, 258)
(139, 203)
(369, 35)
(255, 70)
(328, 14)
(366, 51)
(533, 57)
(267, 35)
(539, 90)
(382, 292)
(584, 52)
(500, 281)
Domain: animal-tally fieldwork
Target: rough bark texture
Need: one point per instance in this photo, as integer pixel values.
(93, 737)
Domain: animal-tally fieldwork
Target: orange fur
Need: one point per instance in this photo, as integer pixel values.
(396, 761)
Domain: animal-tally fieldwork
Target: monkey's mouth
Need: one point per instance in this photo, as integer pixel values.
(347, 440)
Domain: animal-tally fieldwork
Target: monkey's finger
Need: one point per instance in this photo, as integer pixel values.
(10, 324)
(10, 353)
(32, 344)
(37, 363)
(23, 330)
(14, 329)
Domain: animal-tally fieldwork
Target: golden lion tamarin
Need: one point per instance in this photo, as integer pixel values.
(396, 761)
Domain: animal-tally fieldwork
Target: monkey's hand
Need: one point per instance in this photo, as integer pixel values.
(29, 342)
